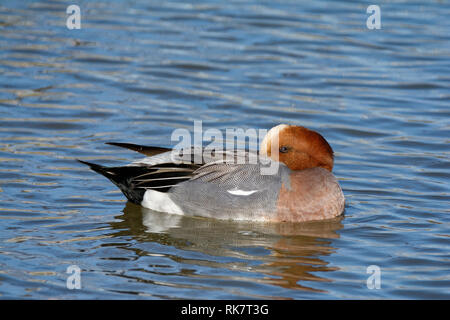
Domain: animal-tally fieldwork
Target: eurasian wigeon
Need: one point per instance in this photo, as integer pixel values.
(301, 189)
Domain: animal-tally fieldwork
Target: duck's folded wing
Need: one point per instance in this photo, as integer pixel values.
(164, 169)
(199, 156)
(193, 155)
(133, 181)
(162, 177)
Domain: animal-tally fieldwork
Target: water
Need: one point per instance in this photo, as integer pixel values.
(137, 70)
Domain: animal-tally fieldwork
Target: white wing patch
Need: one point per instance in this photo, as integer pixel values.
(237, 192)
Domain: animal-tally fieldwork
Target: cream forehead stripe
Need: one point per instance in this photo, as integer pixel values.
(273, 133)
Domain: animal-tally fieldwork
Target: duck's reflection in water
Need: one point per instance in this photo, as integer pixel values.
(286, 253)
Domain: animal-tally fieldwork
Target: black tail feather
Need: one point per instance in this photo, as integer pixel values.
(95, 167)
(120, 176)
(148, 151)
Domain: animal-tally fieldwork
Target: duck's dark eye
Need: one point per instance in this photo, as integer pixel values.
(284, 149)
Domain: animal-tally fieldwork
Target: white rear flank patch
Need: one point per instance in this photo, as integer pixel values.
(160, 201)
(242, 192)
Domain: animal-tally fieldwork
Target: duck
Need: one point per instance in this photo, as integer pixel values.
(291, 179)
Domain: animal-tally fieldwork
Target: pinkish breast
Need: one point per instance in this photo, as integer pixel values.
(313, 194)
